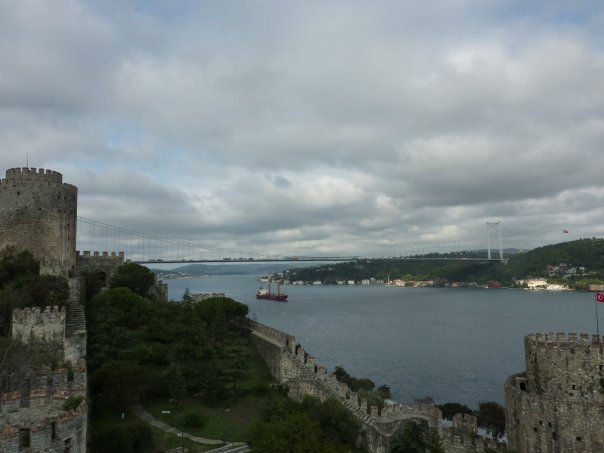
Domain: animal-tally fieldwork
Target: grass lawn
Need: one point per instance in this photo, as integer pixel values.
(168, 441)
(230, 423)
(228, 420)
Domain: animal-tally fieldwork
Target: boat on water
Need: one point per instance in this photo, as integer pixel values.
(264, 293)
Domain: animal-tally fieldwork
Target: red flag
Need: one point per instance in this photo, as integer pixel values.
(565, 231)
(600, 297)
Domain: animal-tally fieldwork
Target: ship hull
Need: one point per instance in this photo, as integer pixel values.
(277, 297)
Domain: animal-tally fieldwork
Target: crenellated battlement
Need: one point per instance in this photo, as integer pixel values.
(563, 339)
(47, 324)
(293, 366)
(30, 173)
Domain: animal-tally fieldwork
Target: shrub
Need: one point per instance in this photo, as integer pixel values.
(72, 402)
(193, 419)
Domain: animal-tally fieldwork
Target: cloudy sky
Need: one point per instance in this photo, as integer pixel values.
(307, 127)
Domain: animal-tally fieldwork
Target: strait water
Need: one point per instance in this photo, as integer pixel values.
(452, 344)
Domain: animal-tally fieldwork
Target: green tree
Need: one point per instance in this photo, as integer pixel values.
(133, 276)
(122, 383)
(17, 267)
(416, 437)
(130, 436)
(451, 409)
(338, 424)
(384, 392)
(295, 433)
(491, 416)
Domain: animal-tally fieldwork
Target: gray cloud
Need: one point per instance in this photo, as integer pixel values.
(338, 127)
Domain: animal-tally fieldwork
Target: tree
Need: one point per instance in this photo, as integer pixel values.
(384, 392)
(133, 276)
(296, 432)
(491, 416)
(451, 409)
(416, 437)
(17, 267)
(121, 383)
(337, 423)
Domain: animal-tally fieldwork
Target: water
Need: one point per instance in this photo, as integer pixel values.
(452, 344)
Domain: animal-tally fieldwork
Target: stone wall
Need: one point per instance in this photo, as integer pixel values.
(104, 264)
(47, 431)
(291, 365)
(47, 324)
(558, 404)
(38, 212)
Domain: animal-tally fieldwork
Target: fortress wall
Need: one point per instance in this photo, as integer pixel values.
(46, 324)
(64, 431)
(74, 348)
(291, 365)
(558, 404)
(43, 389)
(106, 262)
(38, 212)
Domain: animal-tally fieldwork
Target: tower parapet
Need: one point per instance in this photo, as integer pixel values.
(564, 365)
(558, 403)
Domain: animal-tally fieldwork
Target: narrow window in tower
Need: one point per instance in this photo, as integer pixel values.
(24, 437)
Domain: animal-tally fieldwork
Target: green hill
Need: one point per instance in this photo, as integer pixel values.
(577, 263)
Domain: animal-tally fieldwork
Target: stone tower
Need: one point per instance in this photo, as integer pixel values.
(557, 405)
(38, 212)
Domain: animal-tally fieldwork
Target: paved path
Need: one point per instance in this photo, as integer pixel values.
(229, 447)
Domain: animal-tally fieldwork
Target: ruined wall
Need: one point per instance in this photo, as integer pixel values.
(558, 404)
(32, 414)
(38, 212)
(50, 431)
(294, 367)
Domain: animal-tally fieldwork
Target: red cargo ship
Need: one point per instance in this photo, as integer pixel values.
(268, 294)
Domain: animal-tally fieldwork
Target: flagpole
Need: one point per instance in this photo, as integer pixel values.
(597, 323)
(596, 300)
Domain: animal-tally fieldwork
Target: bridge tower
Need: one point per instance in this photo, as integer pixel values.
(490, 227)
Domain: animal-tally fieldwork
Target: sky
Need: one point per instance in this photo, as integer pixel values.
(340, 127)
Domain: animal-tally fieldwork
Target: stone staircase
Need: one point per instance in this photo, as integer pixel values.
(75, 319)
(236, 447)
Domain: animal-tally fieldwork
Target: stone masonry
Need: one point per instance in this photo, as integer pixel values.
(557, 405)
(38, 212)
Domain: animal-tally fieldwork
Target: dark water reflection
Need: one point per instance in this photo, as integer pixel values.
(451, 344)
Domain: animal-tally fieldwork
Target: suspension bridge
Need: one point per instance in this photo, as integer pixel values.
(92, 235)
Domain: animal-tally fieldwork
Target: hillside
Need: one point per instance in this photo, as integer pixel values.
(576, 263)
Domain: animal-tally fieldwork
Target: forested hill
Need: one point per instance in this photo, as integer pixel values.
(574, 261)
(587, 253)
